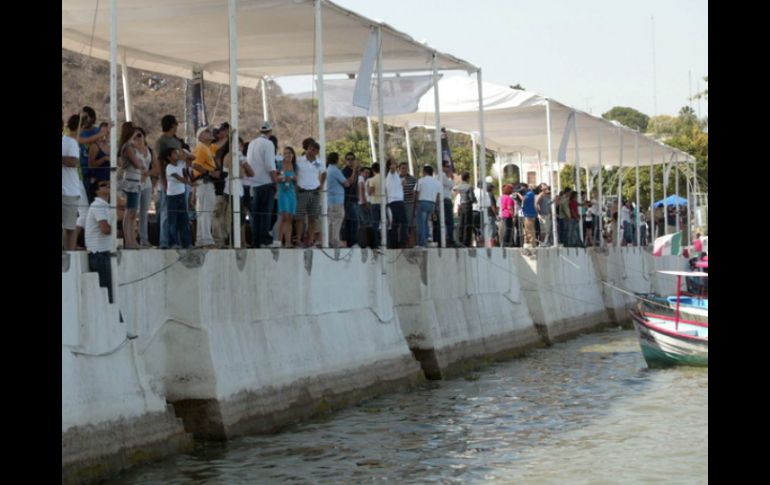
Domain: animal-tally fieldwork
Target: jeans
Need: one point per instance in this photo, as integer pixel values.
(100, 262)
(178, 222)
(508, 232)
(424, 210)
(262, 201)
(145, 197)
(375, 215)
(450, 224)
(466, 224)
(351, 221)
(336, 214)
(162, 210)
(399, 229)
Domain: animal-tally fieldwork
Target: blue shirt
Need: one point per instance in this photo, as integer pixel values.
(528, 208)
(334, 180)
(84, 151)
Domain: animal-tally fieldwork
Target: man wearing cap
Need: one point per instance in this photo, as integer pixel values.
(310, 177)
(261, 157)
(204, 170)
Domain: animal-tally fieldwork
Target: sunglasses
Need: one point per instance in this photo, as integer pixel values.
(138, 135)
(104, 185)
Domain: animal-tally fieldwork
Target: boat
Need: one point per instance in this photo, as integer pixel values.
(667, 339)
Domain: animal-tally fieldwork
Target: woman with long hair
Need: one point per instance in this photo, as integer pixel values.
(152, 167)
(507, 209)
(134, 175)
(287, 196)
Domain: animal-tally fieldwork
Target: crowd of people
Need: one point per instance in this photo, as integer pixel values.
(280, 197)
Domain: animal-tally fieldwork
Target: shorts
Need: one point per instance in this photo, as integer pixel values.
(308, 204)
(132, 200)
(69, 211)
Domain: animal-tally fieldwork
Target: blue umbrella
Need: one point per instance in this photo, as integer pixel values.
(671, 200)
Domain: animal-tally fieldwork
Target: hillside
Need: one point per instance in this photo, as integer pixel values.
(86, 82)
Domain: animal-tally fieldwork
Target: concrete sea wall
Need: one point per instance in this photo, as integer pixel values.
(216, 344)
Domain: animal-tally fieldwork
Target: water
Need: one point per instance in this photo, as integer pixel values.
(584, 411)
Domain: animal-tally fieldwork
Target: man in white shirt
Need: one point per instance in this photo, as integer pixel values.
(310, 175)
(395, 191)
(446, 179)
(97, 236)
(70, 185)
(428, 195)
(261, 157)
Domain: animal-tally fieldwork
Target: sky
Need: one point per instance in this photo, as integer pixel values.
(589, 54)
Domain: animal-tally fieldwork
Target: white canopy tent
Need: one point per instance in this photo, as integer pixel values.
(515, 121)
(242, 42)
(275, 38)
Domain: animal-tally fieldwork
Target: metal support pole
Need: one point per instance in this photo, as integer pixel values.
(577, 179)
(114, 147)
(319, 53)
(483, 158)
(652, 197)
(475, 161)
(126, 86)
(554, 222)
(263, 85)
(381, 140)
(371, 139)
(676, 186)
(619, 233)
(234, 175)
(437, 114)
(638, 207)
(665, 196)
(409, 152)
(599, 200)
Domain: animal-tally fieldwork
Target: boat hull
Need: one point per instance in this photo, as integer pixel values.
(662, 348)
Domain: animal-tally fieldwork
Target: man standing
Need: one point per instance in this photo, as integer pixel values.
(97, 236)
(428, 195)
(70, 185)
(310, 176)
(205, 172)
(543, 207)
(337, 183)
(395, 191)
(88, 133)
(408, 183)
(167, 140)
(374, 193)
(467, 198)
(530, 213)
(447, 182)
(261, 157)
(350, 227)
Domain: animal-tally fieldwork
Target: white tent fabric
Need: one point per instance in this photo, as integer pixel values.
(400, 95)
(515, 121)
(275, 38)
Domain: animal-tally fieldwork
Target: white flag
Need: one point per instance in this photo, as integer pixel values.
(562, 157)
(363, 91)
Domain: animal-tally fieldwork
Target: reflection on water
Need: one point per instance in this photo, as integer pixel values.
(584, 411)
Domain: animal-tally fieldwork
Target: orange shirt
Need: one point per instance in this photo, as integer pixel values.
(204, 158)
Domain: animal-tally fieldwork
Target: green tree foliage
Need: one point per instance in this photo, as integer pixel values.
(629, 117)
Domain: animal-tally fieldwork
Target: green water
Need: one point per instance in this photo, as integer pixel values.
(584, 411)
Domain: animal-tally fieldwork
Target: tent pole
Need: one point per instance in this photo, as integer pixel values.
(371, 139)
(689, 211)
(114, 147)
(437, 114)
(499, 173)
(475, 162)
(665, 196)
(319, 47)
(483, 159)
(381, 140)
(619, 233)
(599, 197)
(676, 178)
(554, 228)
(235, 180)
(126, 86)
(638, 208)
(409, 151)
(262, 85)
(652, 198)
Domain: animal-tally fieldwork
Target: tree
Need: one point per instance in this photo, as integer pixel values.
(629, 117)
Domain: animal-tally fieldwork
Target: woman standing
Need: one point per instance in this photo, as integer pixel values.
(507, 209)
(151, 166)
(134, 176)
(287, 196)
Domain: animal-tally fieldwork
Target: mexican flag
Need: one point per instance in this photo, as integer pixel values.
(668, 245)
